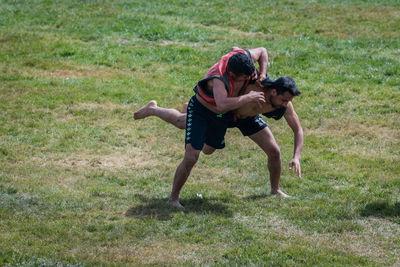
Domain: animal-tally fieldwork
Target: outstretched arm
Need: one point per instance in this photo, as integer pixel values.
(294, 123)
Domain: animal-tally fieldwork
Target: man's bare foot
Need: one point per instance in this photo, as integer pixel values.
(184, 107)
(145, 111)
(279, 193)
(176, 204)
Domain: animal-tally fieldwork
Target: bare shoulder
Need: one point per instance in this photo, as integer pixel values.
(252, 87)
(290, 109)
(290, 114)
(211, 83)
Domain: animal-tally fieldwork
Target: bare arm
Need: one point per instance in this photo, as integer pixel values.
(294, 123)
(225, 103)
(260, 55)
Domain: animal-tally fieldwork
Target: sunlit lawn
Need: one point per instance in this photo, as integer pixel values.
(81, 183)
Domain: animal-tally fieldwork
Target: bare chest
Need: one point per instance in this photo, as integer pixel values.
(252, 109)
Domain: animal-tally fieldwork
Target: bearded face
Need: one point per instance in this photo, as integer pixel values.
(280, 101)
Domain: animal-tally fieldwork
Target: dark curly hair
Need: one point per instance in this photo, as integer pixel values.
(282, 85)
(241, 64)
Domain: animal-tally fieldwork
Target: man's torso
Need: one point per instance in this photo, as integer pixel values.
(252, 109)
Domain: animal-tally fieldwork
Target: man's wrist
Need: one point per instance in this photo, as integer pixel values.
(247, 98)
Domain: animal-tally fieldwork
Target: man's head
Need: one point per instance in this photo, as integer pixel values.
(283, 90)
(241, 66)
(282, 85)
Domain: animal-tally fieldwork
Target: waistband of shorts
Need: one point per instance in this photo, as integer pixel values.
(198, 104)
(227, 117)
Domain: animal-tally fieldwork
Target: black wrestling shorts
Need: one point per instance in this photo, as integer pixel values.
(204, 126)
(249, 126)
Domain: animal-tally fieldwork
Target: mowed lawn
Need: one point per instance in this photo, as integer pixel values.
(83, 184)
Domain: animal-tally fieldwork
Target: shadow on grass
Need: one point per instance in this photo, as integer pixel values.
(161, 210)
(258, 196)
(264, 196)
(382, 209)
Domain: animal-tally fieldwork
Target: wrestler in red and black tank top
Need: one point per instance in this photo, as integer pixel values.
(219, 71)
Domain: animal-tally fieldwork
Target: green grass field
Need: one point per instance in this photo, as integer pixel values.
(82, 184)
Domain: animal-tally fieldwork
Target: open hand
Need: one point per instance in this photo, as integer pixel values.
(256, 97)
(295, 166)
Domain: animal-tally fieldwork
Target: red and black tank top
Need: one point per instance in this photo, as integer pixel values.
(219, 71)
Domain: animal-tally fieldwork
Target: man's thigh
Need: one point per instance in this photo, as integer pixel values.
(215, 135)
(252, 125)
(266, 141)
(204, 127)
(196, 128)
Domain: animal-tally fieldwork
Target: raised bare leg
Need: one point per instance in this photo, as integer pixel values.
(145, 111)
(172, 116)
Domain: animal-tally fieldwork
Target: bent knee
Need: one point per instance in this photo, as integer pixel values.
(208, 150)
(191, 160)
(191, 157)
(181, 121)
(274, 153)
(181, 125)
